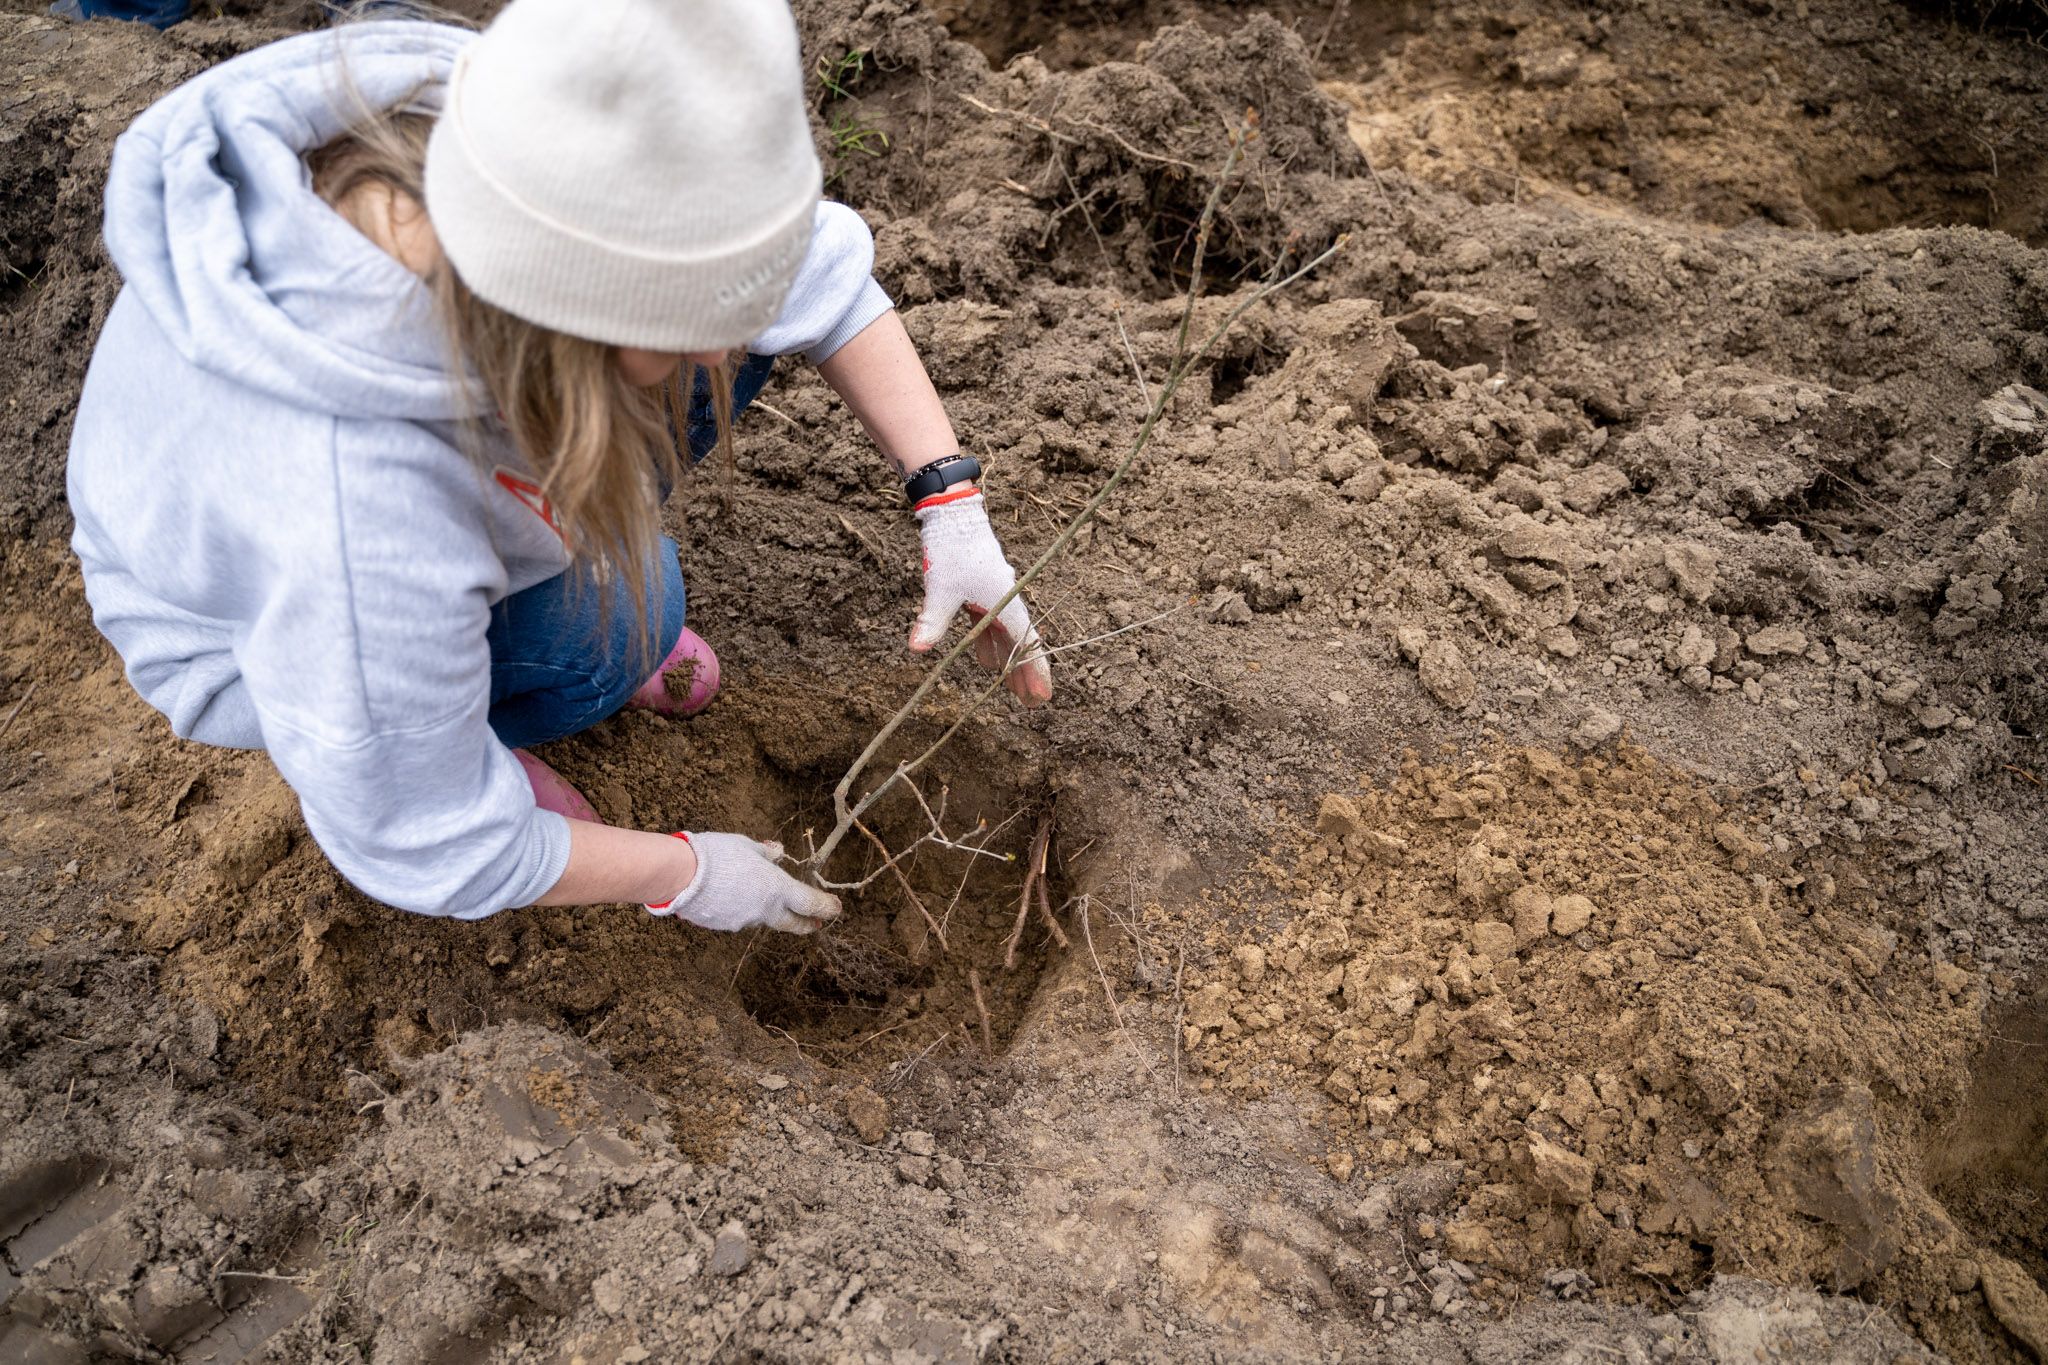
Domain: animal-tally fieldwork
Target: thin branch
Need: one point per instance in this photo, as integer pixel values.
(1202, 226)
(8, 724)
(874, 553)
(876, 874)
(1120, 140)
(938, 824)
(1336, 12)
(908, 890)
(265, 1275)
(1031, 121)
(1120, 630)
(1081, 202)
(1039, 125)
(1052, 921)
(1131, 354)
(1180, 1011)
(1115, 1011)
(1117, 313)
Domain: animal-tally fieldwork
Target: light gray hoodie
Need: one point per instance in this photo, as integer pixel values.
(279, 531)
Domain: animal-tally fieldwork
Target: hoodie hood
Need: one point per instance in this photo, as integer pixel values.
(213, 223)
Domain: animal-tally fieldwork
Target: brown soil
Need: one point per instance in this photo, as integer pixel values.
(1647, 1041)
(1662, 460)
(1849, 118)
(303, 968)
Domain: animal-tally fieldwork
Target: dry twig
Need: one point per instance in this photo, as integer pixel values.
(265, 1275)
(1052, 922)
(874, 553)
(988, 1040)
(8, 724)
(904, 882)
(1034, 879)
(1115, 1011)
(1180, 1013)
(1044, 126)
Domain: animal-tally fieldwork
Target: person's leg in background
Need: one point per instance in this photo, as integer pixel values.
(688, 676)
(563, 658)
(155, 13)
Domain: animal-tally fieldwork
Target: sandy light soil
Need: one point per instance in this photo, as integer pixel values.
(1544, 802)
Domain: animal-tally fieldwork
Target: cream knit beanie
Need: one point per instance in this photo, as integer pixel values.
(636, 172)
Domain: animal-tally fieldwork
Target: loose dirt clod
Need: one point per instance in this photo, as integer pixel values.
(2018, 1301)
(868, 1113)
(1445, 675)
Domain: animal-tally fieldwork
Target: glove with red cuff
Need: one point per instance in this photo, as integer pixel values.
(739, 885)
(964, 567)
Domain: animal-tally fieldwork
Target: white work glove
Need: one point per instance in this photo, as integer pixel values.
(738, 886)
(964, 567)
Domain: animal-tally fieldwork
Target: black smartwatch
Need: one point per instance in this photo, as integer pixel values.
(940, 475)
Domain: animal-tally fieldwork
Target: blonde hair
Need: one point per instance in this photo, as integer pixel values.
(603, 448)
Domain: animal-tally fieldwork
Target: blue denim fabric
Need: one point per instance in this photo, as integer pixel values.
(562, 659)
(747, 381)
(156, 13)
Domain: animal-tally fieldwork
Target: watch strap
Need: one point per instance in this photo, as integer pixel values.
(940, 475)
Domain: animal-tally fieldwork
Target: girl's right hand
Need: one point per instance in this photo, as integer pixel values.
(738, 884)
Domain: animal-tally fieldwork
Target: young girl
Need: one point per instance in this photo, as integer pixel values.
(368, 466)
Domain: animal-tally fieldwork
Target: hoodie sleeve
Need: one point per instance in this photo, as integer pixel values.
(370, 671)
(439, 820)
(834, 295)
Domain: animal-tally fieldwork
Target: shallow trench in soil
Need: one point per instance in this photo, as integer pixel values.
(315, 981)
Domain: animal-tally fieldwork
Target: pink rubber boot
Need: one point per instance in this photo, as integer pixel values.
(552, 791)
(686, 681)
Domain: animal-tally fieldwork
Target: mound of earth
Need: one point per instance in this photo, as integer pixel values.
(1650, 1047)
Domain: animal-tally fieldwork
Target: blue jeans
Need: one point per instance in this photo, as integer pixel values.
(156, 13)
(562, 657)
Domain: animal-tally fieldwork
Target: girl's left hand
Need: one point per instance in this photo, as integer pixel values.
(964, 567)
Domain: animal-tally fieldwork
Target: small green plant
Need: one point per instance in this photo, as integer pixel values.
(354, 1229)
(850, 136)
(838, 78)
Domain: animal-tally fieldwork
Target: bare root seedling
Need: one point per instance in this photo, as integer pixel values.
(849, 810)
(857, 792)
